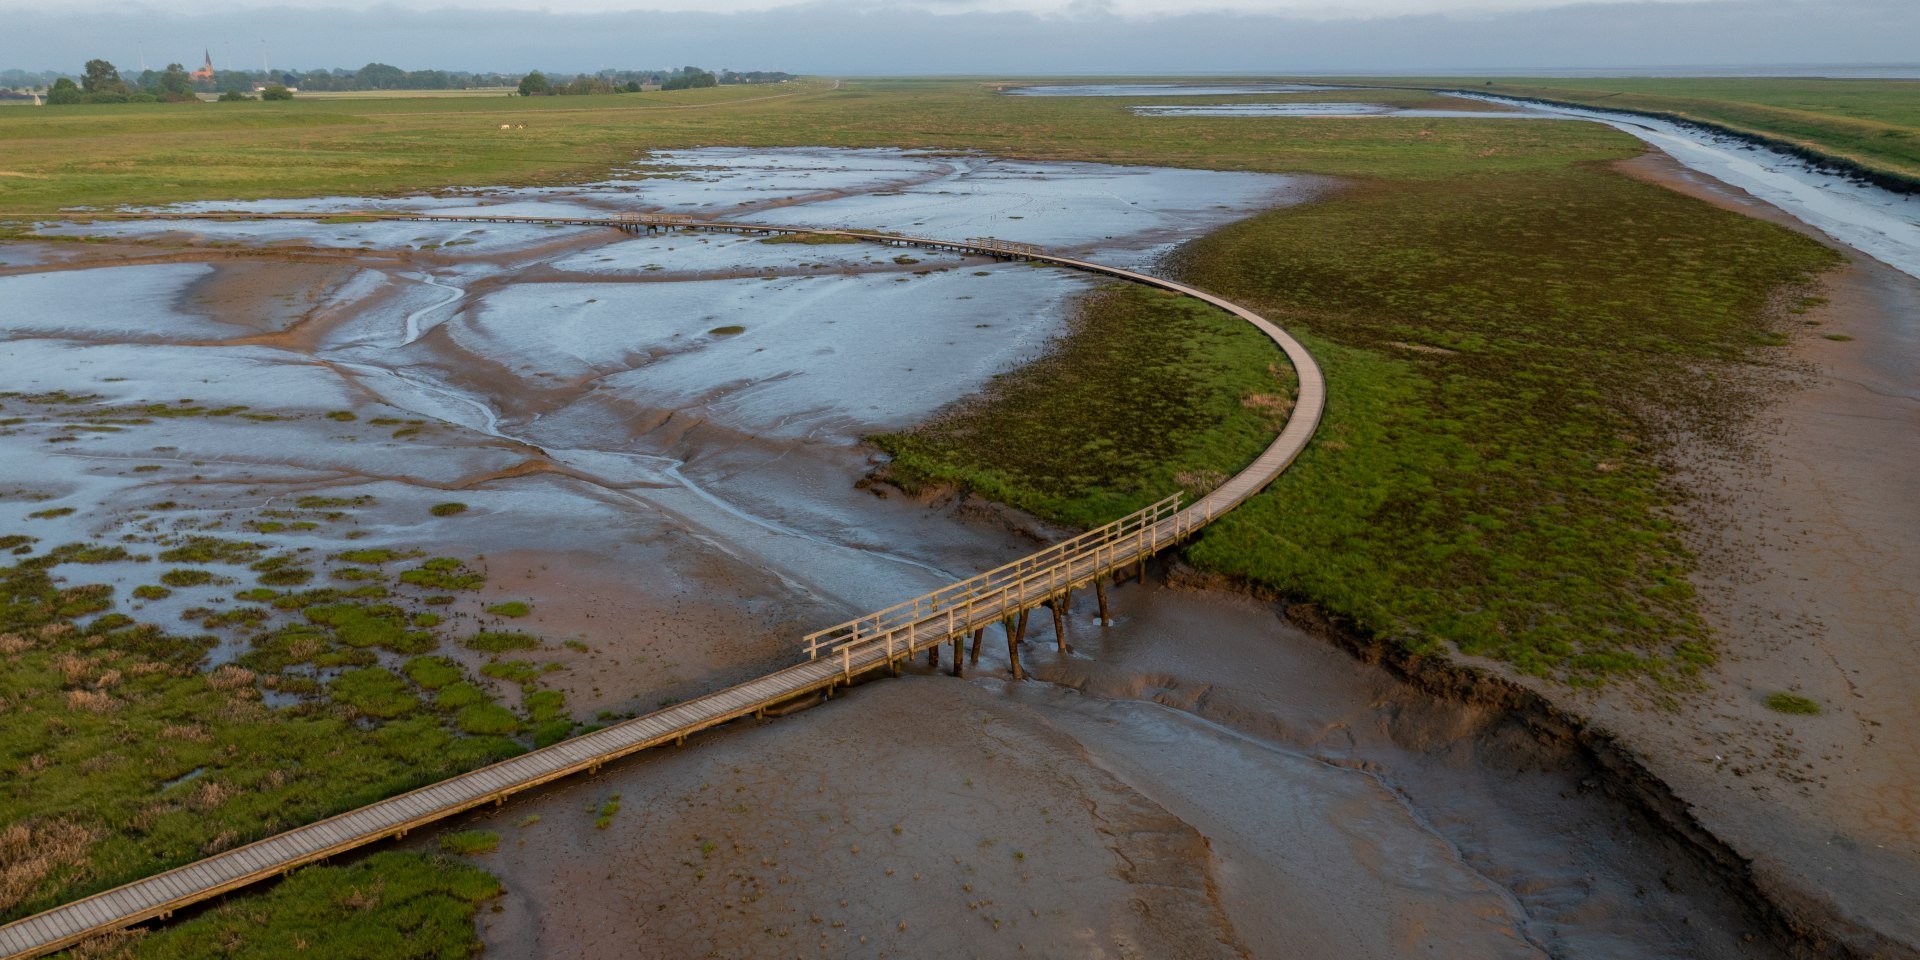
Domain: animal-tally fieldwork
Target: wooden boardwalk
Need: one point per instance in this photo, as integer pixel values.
(1001, 598)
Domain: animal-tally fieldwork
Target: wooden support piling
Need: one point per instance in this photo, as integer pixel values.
(958, 641)
(933, 656)
(1020, 629)
(1100, 592)
(977, 634)
(1059, 626)
(1013, 656)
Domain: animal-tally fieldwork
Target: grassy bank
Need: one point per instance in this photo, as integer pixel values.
(1530, 354)
(1148, 392)
(1508, 360)
(395, 906)
(1873, 123)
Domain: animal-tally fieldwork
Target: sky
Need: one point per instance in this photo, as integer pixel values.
(1024, 37)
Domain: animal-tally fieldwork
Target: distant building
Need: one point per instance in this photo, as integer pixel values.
(206, 71)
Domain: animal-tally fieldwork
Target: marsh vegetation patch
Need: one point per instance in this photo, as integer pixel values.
(132, 753)
(1148, 392)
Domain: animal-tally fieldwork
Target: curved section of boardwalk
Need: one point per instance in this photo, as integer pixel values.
(877, 641)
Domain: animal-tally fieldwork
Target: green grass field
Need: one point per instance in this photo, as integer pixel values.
(1874, 123)
(101, 155)
(408, 94)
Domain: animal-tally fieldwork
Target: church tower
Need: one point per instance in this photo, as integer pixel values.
(206, 71)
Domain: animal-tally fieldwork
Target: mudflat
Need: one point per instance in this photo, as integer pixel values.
(1198, 778)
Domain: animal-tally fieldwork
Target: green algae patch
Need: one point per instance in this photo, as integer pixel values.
(443, 573)
(812, 239)
(501, 641)
(1793, 703)
(470, 842)
(199, 549)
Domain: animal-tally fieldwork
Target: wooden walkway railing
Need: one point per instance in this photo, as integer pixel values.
(1005, 593)
(1009, 247)
(835, 656)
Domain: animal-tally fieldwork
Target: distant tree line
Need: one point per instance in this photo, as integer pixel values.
(538, 84)
(691, 78)
(101, 82)
(28, 79)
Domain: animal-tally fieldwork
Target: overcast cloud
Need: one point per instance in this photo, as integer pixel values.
(1029, 37)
